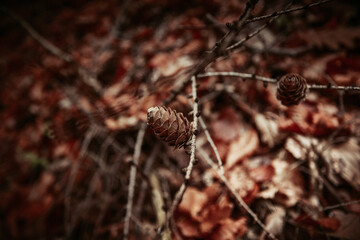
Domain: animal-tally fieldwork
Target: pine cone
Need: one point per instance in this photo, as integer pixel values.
(172, 127)
(291, 89)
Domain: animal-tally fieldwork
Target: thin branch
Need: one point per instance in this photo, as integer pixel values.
(220, 47)
(181, 191)
(256, 32)
(255, 19)
(235, 194)
(86, 76)
(237, 74)
(147, 168)
(212, 144)
(138, 144)
(158, 203)
(33, 33)
(344, 88)
(341, 111)
(69, 221)
(293, 52)
(339, 205)
(217, 50)
(274, 80)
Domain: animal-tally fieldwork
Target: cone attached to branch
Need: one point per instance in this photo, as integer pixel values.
(170, 126)
(291, 89)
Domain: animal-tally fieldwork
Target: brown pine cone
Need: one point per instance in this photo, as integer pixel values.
(291, 89)
(170, 126)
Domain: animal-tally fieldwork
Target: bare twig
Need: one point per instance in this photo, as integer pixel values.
(345, 88)
(293, 52)
(341, 95)
(69, 221)
(146, 229)
(217, 50)
(256, 32)
(237, 74)
(111, 36)
(88, 78)
(147, 169)
(158, 203)
(33, 33)
(235, 194)
(286, 11)
(339, 205)
(181, 191)
(212, 144)
(138, 144)
(274, 80)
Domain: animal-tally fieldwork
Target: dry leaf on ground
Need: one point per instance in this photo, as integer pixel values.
(268, 129)
(230, 229)
(331, 38)
(240, 180)
(287, 185)
(206, 214)
(349, 225)
(226, 126)
(274, 222)
(344, 159)
(244, 146)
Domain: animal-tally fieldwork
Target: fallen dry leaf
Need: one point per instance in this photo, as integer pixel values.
(226, 126)
(202, 212)
(299, 146)
(216, 212)
(331, 224)
(262, 173)
(320, 120)
(274, 222)
(193, 202)
(332, 38)
(245, 186)
(244, 146)
(268, 129)
(344, 159)
(188, 227)
(287, 185)
(349, 225)
(230, 229)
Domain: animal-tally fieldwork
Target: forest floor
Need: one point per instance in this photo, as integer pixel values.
(78, 160)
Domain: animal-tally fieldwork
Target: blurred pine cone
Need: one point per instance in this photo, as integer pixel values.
(291, 89)
(170, 126)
